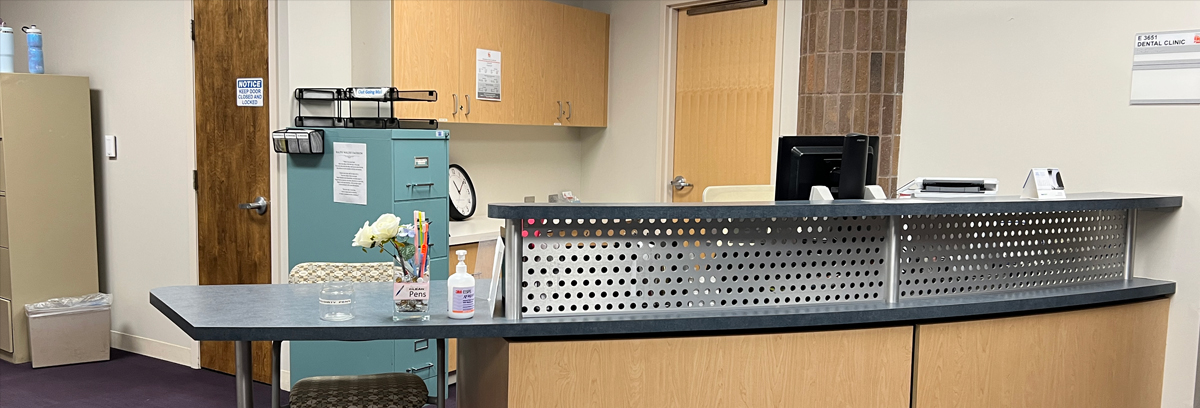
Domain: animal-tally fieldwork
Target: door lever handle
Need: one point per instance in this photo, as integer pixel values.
(260, 204)
(679, 183)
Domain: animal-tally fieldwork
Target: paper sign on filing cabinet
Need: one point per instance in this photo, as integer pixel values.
(1044, 183)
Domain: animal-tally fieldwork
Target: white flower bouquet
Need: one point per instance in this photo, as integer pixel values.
(387, 230)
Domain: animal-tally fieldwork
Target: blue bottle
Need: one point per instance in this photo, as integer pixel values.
(33, 36)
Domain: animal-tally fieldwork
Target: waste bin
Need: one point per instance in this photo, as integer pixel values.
(70, 330)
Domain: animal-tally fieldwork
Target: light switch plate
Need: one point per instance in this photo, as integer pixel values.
(110, 146)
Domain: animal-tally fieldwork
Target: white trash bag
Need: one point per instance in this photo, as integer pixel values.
(67, 305)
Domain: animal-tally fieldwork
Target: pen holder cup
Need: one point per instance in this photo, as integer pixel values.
(410, 293)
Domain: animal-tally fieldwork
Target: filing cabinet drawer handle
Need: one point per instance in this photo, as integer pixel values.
(413, 370)
(424, 344)
(412, 185)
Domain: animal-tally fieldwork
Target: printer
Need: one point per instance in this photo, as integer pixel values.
(932, 187)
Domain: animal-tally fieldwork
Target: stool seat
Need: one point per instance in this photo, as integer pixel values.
(387, 390)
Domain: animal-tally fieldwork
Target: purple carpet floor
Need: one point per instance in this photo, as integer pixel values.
(128, 380)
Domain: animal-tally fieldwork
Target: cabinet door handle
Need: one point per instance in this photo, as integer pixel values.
(468, 104)
(412, 370)
(420, 344)
(426, 184)
(560, 111)
(570, 110)
(455, 113)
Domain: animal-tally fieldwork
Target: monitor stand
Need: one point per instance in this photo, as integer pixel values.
(820, 194)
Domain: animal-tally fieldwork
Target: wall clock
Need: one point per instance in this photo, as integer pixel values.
(462, 194)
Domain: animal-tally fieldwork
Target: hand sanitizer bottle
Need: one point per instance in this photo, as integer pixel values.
(461, 290)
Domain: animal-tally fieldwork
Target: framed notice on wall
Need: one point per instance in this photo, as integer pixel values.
(1166, 68)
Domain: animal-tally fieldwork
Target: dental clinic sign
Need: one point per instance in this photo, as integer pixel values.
(250, 92)
(1166, 68)
(1175, 39)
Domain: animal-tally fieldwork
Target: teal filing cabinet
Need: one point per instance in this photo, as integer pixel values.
(406, 170)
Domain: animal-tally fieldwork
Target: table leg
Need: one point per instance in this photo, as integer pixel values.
(275, 353)
(244, 374)
(441, 373)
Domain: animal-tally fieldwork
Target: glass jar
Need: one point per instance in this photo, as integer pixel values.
(337, 301)
(410, 293)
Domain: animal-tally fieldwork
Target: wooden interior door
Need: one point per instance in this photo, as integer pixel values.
(586, 67)
(232, 159)
(427, 31)
(724, 99)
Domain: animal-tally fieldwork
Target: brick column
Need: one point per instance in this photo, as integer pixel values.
(852, 73)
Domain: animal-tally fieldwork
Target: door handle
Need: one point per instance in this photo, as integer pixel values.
(260, 204)
(679, 183)
(570, 110)
(468, 97)
(455, 113)
(560, 111)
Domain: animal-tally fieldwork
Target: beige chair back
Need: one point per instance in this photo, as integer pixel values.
(321, 272)
(719, 194)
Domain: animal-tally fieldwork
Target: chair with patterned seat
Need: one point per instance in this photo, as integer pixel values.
(386, 390)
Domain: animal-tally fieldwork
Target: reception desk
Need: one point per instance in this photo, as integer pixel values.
(994, 302)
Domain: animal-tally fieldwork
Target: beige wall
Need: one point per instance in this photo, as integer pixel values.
(995, 88)
(139, 58)
(620, 162)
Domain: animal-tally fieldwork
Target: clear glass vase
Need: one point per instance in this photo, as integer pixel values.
(410, 294)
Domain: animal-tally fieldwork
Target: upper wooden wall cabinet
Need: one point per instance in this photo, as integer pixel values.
(554, 61)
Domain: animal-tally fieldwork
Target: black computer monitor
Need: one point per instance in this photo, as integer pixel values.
(807, 161)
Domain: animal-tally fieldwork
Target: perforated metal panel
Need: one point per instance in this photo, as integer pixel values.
(943, 255)
(577, 267)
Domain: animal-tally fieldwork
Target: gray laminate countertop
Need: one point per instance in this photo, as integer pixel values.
(289, 312)
(837, 208)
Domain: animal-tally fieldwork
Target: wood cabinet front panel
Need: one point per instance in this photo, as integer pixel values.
(554, 60)
(850, 368)
(1108, 357)
(585, 70)
(426, 55)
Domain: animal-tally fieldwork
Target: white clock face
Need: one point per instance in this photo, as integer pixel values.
(461, 195)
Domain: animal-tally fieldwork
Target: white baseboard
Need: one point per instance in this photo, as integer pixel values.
(152, 348)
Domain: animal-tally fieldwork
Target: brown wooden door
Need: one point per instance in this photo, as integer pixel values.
(232, 159)
(724, 99)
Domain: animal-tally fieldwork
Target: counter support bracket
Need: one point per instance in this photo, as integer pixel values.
(512, 269)
(892, 259)
(1130, 235)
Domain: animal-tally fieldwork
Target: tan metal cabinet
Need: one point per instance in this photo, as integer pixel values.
(46, 156)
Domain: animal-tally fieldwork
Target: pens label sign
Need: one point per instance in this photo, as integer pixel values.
(410, 291)
(249, 92)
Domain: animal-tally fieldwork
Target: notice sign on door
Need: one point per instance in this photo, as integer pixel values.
(250, 92)
(350, 173)
(487, 75)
